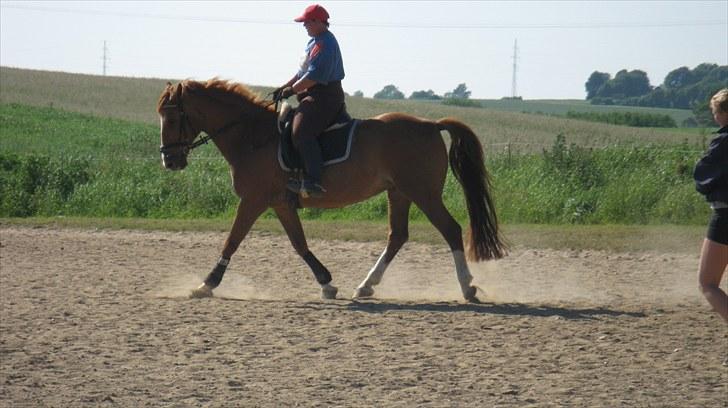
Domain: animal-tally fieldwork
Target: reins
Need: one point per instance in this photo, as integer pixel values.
(209, 136)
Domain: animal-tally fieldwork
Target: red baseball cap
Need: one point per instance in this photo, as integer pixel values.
(313, 12)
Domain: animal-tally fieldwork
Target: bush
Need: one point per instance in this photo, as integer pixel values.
(468, 103)
(566, 183)
(38, 184)
(635, 119)
(619, 184)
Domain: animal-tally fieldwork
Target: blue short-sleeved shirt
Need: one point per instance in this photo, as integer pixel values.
(323, 62)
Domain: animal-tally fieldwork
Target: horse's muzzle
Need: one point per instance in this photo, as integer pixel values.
(174, 161)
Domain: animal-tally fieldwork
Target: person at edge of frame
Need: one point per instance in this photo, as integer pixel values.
(711, 180)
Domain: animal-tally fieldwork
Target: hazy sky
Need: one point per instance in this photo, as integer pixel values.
(414, 45)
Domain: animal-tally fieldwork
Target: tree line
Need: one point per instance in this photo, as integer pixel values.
(392, 92)
(683, 88)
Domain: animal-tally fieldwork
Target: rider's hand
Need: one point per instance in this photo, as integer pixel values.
(287, 92)
(283, 92)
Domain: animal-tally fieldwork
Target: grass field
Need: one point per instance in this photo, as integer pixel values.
(79, 145)
(561, 107)
(54, 162)
(501, 125)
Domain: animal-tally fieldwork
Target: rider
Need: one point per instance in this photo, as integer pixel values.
(317, 86)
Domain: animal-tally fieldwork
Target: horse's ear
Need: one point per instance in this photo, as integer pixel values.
(169, 84)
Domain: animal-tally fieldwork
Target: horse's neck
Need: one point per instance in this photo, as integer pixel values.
(256, 128)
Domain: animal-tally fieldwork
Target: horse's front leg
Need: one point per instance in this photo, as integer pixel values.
(246, 215)
(292, 224)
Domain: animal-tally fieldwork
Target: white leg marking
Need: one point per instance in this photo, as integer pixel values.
(375, 274)
(461, 268)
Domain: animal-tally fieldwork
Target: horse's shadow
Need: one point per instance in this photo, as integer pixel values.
(507, 309)
(380, 306)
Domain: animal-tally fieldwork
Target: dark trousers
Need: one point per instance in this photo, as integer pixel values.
(317, 108)
(718, 226)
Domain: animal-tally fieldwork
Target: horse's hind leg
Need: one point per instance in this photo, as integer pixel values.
(399, 206)
(440, 217)
(292, 224)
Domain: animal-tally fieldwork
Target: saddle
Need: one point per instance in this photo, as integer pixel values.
(335, 141)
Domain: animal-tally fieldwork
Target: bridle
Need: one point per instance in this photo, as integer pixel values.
(184, 120)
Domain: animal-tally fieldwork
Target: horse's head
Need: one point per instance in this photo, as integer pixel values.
(216, 107)
(176, 130)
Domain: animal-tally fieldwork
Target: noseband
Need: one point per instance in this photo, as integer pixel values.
(186, 146)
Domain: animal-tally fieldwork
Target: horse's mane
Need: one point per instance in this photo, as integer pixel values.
(232, 93)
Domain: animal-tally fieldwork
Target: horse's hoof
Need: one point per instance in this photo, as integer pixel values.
(328, 291)
(363, 292)
(203, 291)
(470, 294)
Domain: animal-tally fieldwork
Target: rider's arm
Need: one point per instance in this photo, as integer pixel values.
(299, 84)
(291, 81)
(303, 84)
(321, 57)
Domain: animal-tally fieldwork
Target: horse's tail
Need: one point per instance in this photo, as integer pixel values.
(467, 163)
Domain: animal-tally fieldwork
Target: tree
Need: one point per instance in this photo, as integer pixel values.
(461, 92)
(632, 83)
(358, 94)
(718, 75)
(389, 92)
(678, 78)
(703, 114)
(625, 84)
(682, 88)
(703, 70)
(595, 82)
(428, 94)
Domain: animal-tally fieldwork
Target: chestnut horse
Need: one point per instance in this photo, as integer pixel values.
(397, 153)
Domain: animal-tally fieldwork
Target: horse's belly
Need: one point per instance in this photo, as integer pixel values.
(343, 194)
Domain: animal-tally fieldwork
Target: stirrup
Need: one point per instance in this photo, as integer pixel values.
(293, 185)
(311, 189)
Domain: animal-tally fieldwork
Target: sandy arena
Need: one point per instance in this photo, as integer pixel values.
(101, 318)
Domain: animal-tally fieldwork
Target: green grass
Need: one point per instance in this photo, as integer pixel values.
(51, 131)
(501, 126)
(80, 145)
(563, 106)
(60, 163)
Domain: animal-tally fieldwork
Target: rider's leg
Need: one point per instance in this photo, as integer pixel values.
(311, 153)
(317, 108)
(308, 123)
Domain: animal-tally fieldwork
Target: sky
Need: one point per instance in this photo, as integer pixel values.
(414, 45)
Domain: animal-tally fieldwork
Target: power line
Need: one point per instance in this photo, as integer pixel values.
(586, 25)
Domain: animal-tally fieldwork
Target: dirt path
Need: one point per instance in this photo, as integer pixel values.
(100, 318)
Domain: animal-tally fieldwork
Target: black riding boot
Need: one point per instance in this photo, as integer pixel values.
(312, 162)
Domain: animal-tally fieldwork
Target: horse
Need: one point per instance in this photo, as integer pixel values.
(398, 153)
